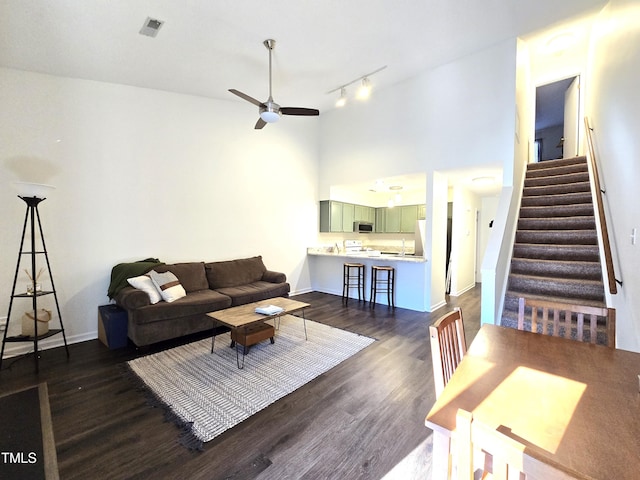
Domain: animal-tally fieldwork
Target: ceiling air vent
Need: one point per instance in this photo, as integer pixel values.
(151, 27)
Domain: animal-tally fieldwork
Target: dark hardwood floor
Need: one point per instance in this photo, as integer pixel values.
(361, 420)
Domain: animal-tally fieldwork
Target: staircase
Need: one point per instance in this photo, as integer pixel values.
(555, 254)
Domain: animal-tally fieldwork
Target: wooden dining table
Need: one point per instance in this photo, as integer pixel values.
(573, 405)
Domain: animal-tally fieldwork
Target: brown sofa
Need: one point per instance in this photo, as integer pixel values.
(209, 286)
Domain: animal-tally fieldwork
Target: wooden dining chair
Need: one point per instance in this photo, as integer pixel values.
(472, 437)
(448, 347)
(578, 322)
(501, 456)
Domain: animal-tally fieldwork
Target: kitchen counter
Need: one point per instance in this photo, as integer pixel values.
(372, 254)
(326, 268)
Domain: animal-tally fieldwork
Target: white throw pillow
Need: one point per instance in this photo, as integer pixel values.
(144, 283)
(168, 285)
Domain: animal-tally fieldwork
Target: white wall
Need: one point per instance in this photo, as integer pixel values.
(488, 212)
(496, 261)
(461, 114)
(613, 107)
(464, 238)
(143, 173)
(435, 244)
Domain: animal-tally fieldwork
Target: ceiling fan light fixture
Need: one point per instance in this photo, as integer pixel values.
(269, 117)
(270, 111)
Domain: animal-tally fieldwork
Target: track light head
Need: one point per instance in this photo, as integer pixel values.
(365, 89)
(343, 98)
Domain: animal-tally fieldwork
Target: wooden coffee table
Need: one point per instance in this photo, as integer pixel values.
(242, 321)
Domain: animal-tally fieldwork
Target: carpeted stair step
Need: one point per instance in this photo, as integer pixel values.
(558, 170)
(562, 237)
(557, 287)
(557, 180)
(557, 269)
(557, 223)
(577, 187)
(585, 253)
(561, 199)
(561, 162)
(553, 210)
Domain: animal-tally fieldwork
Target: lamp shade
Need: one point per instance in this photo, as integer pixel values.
(269, 117)
(37, 190)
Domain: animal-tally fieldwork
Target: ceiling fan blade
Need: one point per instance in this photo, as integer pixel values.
(246, 97)
(299, 111)
(260, 124)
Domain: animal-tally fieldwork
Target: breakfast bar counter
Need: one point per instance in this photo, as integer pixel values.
(411, 274)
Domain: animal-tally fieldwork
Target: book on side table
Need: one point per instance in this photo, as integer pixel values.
(269, 310)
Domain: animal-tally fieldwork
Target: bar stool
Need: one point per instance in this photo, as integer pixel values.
(383, 284)
(353, 279)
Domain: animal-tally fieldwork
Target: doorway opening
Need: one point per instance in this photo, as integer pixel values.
(557, 119)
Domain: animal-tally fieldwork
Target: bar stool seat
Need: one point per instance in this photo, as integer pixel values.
(383, 284)
(353, 277)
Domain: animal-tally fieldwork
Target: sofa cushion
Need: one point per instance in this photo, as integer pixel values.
(194, 303)
(144, 283)
(232, 273)
(168, 285)
(191, 275)
(254, 292)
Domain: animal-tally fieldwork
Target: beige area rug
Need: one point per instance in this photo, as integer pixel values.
(206, 392)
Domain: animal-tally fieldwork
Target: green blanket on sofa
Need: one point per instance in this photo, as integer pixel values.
(122, 271)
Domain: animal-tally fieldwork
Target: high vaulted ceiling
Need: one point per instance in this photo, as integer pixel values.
(206, 47)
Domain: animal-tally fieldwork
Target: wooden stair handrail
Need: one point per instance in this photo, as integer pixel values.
(603, 221)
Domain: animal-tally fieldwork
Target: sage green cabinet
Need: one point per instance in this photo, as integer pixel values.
(393, 220)
(330, 216)
(399, 219)
(381, 220)
(364, 214)
(337, 216)
(408, 217)
(348, 215)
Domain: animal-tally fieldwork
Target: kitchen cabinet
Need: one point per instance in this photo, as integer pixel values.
(399, 219)
(392, 220)
(330, 216)
(364, 214)
(408, 217)
(337, 216)
(381, 220)
(348, 215)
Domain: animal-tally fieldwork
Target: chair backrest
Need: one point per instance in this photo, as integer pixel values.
(578, 322)
(506, 453)
(448, 346)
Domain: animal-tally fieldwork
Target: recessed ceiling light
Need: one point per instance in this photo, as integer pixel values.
(560, 42)
(395, 187)
(483, 180)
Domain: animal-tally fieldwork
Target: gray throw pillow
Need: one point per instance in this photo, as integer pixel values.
(168, 285)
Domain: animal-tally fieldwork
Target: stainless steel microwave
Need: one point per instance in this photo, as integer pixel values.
(363, 227)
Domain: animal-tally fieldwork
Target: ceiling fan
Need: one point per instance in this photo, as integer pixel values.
(270, 111)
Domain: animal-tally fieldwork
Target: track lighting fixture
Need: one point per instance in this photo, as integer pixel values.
(363, 92)
(343, 97)
(365, 89)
